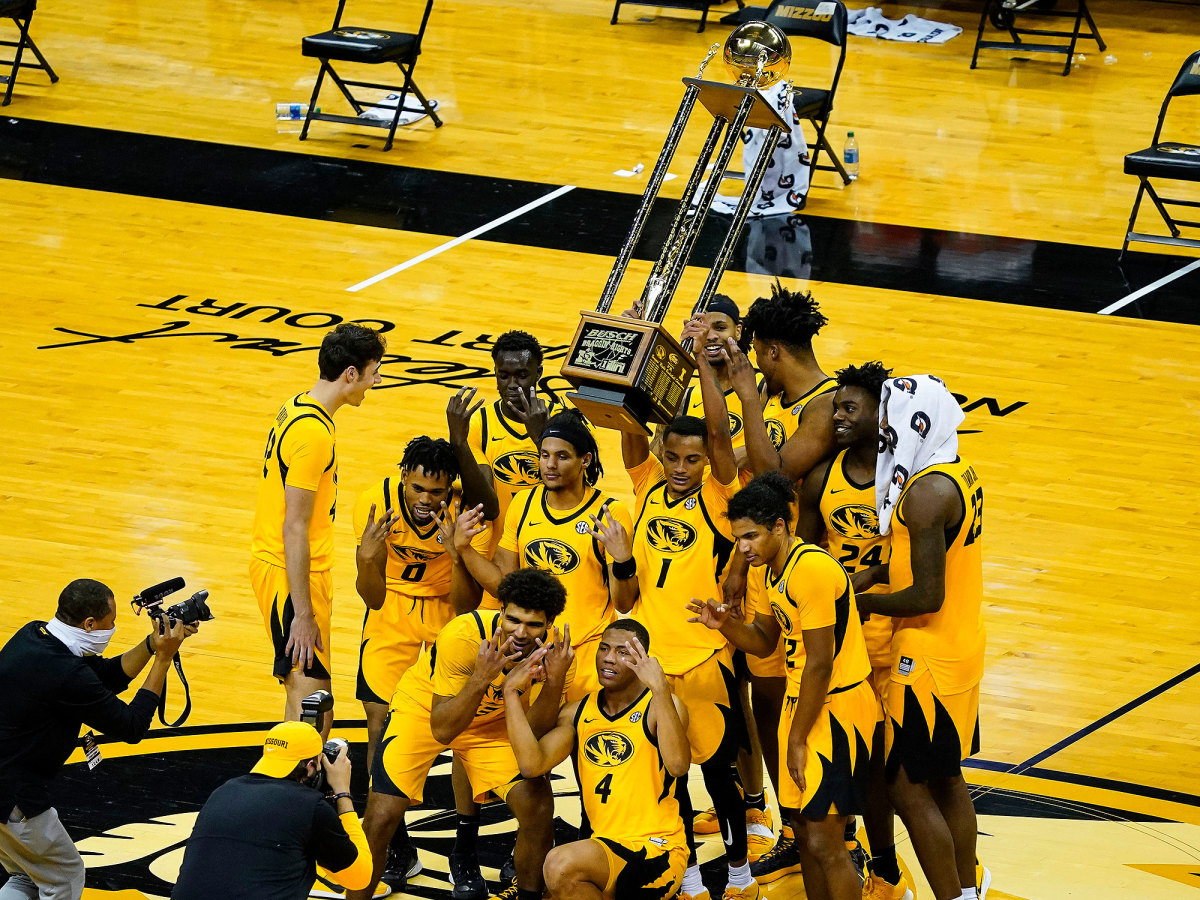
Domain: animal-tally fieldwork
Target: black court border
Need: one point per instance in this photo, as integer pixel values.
(1043, 274)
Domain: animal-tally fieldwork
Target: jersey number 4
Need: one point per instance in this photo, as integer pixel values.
(604, 787)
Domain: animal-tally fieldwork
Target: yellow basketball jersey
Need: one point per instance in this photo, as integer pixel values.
(560, 542)
(950, 641)
(851, 522)
(504, 445)
(681, 547)
(445, 669)
(693, 405)
(813, 591)
(782, 421)
(417, 564)
(627, 793)
(300, 453)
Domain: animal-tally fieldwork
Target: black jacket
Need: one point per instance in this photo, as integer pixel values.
(49, 692)
(259, 838)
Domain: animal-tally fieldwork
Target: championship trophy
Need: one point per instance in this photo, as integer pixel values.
(630, 372)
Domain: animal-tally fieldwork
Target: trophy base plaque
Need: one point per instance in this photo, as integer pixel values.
(627, 372)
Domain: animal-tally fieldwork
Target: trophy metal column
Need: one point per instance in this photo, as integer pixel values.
(629, 372)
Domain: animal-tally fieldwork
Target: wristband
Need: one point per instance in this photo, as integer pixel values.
(623, 571)
(336, 797)
(149, 648)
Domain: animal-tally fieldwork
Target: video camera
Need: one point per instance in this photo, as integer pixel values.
(190, 611)
(314, 709)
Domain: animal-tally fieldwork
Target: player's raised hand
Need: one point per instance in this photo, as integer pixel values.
(648, 669)
(458, 414)
(696, 328)
(522, 676)
(469, 524)
(709, 613)
(612, 534)
(741, 373)
(531, 411)
(373, 542)
(733, 594)
(494, 656)
(447, 525)
(558, 654)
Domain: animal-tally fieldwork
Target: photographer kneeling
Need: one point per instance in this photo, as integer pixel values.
(260, 836)
(55, 681)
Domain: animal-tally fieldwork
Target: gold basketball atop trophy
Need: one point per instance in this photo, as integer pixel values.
(757, 54)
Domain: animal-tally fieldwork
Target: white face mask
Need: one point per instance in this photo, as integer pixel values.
(79, 641)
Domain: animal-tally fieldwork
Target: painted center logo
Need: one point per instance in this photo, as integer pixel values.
(607, 749)
(856, 521)
(519, 468)
(551, 556)
(669, 535)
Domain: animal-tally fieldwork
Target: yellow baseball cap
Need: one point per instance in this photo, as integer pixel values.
(287, 744)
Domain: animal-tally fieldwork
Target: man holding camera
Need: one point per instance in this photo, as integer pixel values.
(260, 836)
(55, 681)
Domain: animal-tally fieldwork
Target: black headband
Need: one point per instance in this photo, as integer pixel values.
(575, 435)
(722, 304)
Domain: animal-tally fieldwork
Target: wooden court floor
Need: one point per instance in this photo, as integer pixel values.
(145, 359)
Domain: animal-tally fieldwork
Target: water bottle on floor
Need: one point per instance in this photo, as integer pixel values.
(290, 116)
(850, 156)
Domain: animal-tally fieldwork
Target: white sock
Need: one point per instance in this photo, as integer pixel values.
(692, 882)
(968, 894)
(739, 876)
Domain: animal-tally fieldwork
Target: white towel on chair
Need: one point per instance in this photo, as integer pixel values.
(871, 22)
(785, 184)
(922, 419)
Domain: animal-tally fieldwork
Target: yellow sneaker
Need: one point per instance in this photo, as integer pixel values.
(983, 879)
(328, 888)
(747, 893)
(706, 822)
(875, 888)
(703, 895)
(759, 836)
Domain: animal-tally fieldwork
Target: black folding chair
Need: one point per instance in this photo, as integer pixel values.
(370, 46)
(1003, 15)
(21, 12)
(700, 5)
(821, 20)
(1167, 161)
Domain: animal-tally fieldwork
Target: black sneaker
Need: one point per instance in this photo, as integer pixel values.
(858, 857)
(508, 872)
(466, 878)
(782, 859)
(401, 865)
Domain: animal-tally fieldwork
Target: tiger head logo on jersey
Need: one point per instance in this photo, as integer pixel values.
(735, 424)
(409, 555)
(775, 433)
(784, 622)
(519, 468)
(607, 749)
(551, 556)
(669, 535)
(856, 521)
(920, 424)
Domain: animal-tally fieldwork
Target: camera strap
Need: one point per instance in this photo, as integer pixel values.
(187, 698)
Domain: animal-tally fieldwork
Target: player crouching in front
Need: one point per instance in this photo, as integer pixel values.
(452, 697)
(630, 744)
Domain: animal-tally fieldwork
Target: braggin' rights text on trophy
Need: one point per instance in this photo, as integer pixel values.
(627, 372)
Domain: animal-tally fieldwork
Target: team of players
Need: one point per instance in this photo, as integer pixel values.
(498, 632)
